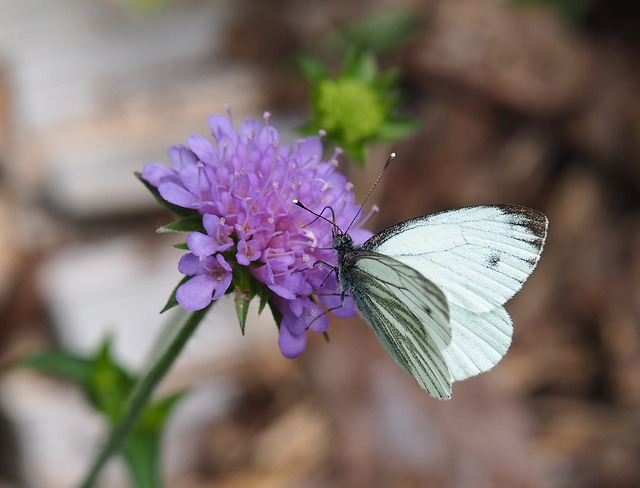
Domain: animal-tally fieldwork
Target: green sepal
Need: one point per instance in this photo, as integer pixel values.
(359, 65)
(244, 291)
(175, 209)
(326, 336)
(357, 152)
(172, 302)
(192, 223)
(312, 69)
(275, 311)
(385, 81)
(264, 294)
(396, 129)
(182, 246)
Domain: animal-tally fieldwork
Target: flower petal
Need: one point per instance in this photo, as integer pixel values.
(181, 157)
(176, 194)
(154, 173)
(222, 129)
(196, 293)
(190, 264)
(222, 276)
(202, 148)
(282, 291)
(291, 345)
(201, 244)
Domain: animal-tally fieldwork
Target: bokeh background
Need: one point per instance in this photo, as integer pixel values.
(535, 104)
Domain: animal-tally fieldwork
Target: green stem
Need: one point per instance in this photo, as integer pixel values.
(140, 395)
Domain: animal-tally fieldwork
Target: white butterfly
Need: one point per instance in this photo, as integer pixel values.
(433, 287)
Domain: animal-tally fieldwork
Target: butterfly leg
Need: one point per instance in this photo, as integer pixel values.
(333, 270)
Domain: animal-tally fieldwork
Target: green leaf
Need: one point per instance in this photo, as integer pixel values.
(59, 363)
(384, 31)
(104, 383)
(139, 398)
(142, 451)
(156, 414)
(109, 383)
(142, 456)
(193, 223)
(571, 12)
(172, 302)
(179, 211)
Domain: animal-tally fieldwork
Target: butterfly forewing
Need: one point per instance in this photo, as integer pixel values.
(480, 256)
(408, 313)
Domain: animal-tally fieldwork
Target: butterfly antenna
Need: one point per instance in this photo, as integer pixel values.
(373, 187)
(319, 215)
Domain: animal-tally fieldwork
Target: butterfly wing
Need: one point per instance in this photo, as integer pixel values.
(408, 313)
(480, 257)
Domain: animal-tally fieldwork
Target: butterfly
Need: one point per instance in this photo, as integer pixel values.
(433, 288)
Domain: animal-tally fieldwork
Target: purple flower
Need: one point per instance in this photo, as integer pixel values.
(211, 279)
(243, 186)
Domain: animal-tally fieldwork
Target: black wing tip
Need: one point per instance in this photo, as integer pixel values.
(533, 219)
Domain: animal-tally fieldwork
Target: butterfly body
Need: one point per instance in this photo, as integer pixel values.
(433, 288)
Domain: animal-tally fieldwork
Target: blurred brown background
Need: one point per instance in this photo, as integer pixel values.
(519, 105)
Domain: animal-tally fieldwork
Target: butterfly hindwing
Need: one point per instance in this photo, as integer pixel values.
(479, 341)
(408, 313)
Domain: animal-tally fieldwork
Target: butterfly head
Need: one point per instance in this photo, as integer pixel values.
(342, 243)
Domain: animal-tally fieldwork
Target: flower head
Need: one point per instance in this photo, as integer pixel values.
(356, 107)
(236, 197)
